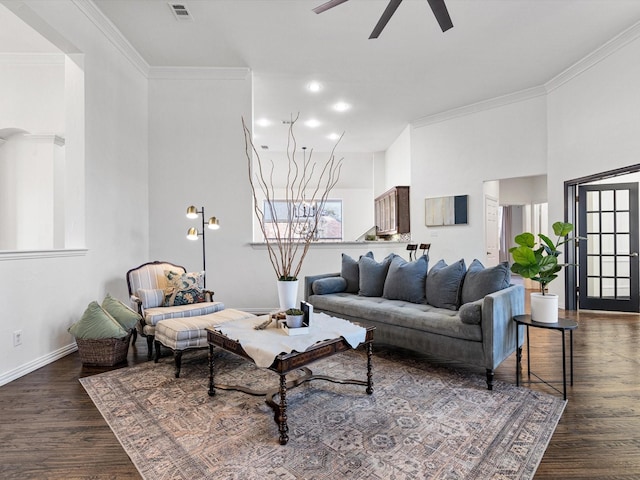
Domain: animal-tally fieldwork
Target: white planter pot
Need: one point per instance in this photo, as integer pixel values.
(544, 308)
(294, 321)
(287, 294)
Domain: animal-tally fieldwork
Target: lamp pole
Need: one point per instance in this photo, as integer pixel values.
(193, 234)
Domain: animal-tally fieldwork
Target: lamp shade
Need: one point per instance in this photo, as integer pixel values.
(214, 224)
(192, 234)
(192, 212)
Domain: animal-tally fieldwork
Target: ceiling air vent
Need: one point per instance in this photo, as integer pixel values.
(180, 11)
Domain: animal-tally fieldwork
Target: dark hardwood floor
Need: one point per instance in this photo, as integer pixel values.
(50, 429)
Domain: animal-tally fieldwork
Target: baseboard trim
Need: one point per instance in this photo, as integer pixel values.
(33, 365)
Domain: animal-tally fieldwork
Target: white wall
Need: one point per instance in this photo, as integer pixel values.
(197, 157)
(523, 190)
(398, 162)
(594, 120)
(456, 156)
(43, 296)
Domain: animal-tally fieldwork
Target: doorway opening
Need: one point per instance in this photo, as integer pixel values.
(604, 209)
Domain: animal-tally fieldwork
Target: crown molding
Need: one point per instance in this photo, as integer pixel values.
(110, 31)
(480, 106)
(199, 73)
(32, 59)
(575, 70)
(595, 57)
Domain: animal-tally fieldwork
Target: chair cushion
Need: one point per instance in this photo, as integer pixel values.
(151, 297)
(126, 317)
(182, 333)
(480, 281)
(184, 288)
(96, 324)
(153, 315)
(444, 284)
(406, 280)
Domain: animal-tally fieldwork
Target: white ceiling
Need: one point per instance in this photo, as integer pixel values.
(413, 70)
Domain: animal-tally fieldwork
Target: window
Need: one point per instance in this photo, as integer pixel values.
(301, 216)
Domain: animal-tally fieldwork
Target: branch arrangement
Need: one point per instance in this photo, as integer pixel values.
(307, 182)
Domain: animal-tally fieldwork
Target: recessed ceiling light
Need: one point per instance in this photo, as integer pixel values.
(314, 86)
(333, 136)
(341, 106)
(263, 122)
(312, 123)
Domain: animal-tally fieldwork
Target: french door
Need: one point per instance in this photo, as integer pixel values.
(608, 258)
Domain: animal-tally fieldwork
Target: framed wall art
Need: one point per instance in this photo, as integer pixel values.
(442, 211)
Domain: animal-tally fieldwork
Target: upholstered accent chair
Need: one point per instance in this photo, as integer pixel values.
(148, 289)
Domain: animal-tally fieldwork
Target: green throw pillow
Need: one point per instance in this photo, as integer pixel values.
(96, 324)
(126, 317)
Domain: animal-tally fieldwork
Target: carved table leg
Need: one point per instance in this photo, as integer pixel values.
(212, 390)
(369, 373)
(282, 411)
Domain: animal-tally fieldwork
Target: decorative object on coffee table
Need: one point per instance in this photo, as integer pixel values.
(540, 264)
(294, 317)
(306, 183)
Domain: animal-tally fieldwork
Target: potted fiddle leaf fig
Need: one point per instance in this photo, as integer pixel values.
(539, 262)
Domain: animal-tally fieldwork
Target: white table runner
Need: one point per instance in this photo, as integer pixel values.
(264, 345)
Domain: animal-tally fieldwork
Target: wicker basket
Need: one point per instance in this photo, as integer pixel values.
(105, 352)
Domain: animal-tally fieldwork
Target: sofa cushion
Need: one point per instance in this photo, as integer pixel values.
(126, 317)
(444, 284)
(183, 288)
(406, 280)
(480, 281)
(373, 275)
(471, 313)
(151, 297)
(397, 313)
(96, 324)
(328, 285)
(351, 272)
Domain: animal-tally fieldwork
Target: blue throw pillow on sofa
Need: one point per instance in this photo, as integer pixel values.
(351, 272)
(444, 284)
(325, 286)
(406, 280)
(480, 281)
(373, 275)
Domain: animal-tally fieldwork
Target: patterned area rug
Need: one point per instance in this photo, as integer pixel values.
(420, 422)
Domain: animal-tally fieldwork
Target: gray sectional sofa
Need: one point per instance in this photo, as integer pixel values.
(449, 311)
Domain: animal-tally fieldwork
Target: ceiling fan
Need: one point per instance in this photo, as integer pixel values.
(437, 6)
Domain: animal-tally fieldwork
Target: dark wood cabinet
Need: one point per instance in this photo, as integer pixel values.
(392, 212)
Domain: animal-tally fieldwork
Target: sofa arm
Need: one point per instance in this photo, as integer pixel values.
(498, 327)
(308, 282)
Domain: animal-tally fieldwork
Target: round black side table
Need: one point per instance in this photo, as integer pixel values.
(563, 325)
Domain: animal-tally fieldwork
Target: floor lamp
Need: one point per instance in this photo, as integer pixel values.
(193, 234)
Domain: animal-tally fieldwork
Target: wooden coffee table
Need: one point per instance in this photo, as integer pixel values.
(285, 363)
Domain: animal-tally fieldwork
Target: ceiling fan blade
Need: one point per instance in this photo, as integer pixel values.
(326, 6)
(441, 13)
(384, 19)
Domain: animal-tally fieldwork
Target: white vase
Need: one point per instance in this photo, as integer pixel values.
(544, 308)
(288, 294)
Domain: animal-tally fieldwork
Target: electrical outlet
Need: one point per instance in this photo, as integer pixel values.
(17, 338)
